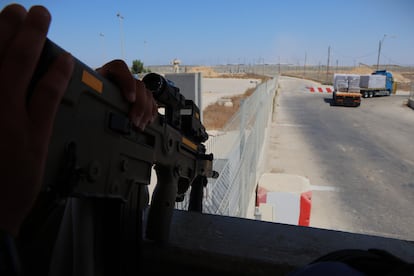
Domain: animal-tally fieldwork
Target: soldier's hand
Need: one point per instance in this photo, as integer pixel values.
(143, 106)
(26, 126)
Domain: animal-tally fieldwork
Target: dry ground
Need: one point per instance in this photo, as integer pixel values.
(215, 116)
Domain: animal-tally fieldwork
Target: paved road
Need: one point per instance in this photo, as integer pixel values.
(360, 161)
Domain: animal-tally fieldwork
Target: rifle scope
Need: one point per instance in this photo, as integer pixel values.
(164, 91)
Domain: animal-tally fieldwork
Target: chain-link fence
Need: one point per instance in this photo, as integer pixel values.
(237, 150)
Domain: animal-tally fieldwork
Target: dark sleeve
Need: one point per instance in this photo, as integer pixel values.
(9, 259)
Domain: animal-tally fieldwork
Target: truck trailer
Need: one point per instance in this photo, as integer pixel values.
(379, 83)
(346, 90)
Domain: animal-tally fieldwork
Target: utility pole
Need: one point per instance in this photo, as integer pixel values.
(327, 66)
(379, 50)
(319, 69)
(304, 67)
(122, 36)
(380, 46)
(263, 67)
(279, 65)
(103, 46)
(144, 51)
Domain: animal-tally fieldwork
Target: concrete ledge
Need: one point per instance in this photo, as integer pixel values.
(411, 103)
(203, 244)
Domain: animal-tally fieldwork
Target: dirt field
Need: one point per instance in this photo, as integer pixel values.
(216, 115)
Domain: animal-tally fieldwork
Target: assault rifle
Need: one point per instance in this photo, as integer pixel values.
(97, 153)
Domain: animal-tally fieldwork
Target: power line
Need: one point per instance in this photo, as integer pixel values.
(354, 57)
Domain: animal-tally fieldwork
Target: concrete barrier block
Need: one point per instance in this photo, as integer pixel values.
(290, 197)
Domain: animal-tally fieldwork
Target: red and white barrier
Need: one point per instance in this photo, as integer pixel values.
(320, 89)
(284, 198)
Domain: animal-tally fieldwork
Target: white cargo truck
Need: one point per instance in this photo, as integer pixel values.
(379, 83)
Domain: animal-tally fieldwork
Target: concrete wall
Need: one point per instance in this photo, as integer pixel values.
(190, 85)
(411, 103)
(202, 244)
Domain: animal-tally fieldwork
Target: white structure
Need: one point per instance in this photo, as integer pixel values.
(176, 62)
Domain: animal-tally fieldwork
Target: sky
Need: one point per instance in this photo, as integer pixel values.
(213, 32)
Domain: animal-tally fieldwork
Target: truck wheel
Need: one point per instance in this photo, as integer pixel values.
(371, 94)
(365, 95)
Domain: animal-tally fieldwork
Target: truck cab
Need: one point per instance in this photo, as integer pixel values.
(390, 85)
